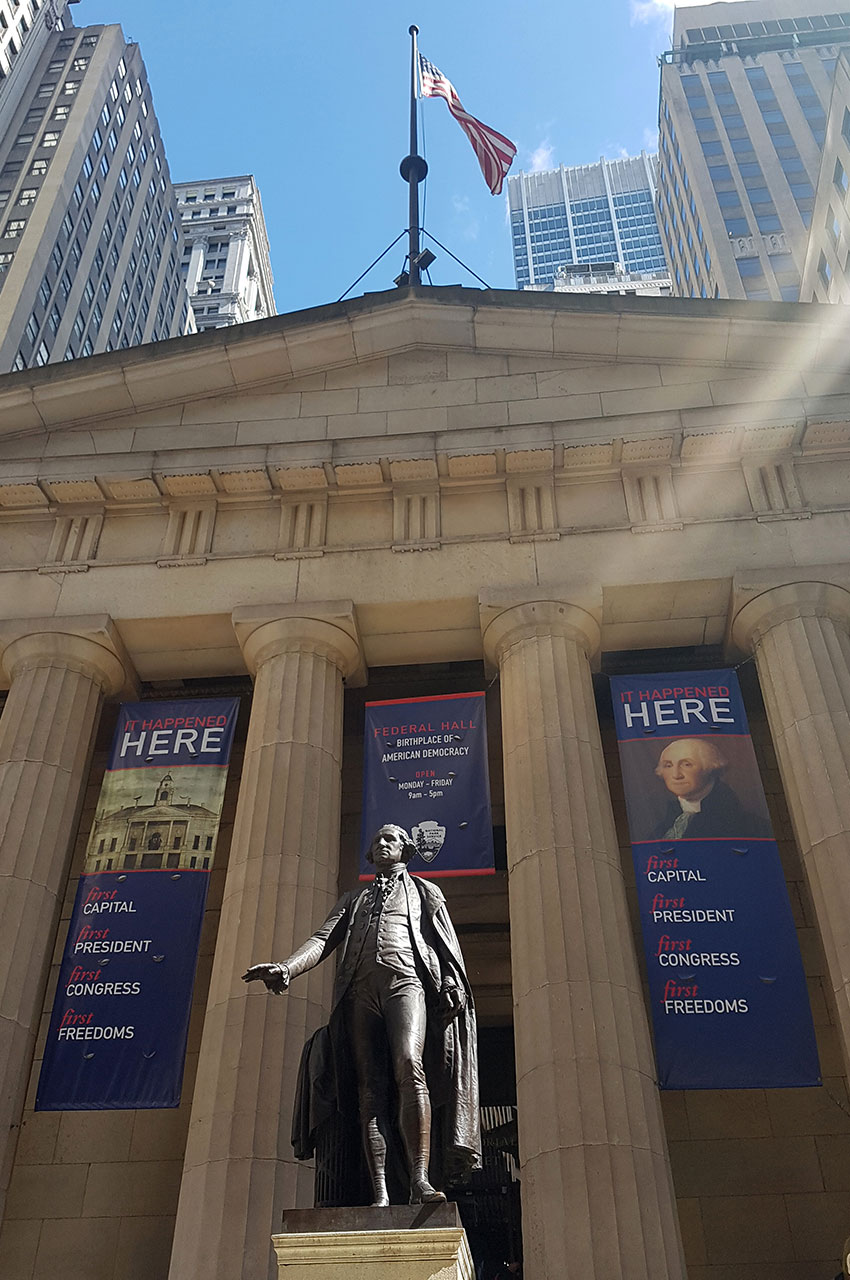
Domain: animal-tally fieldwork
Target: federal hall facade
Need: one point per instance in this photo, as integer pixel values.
(418, 492)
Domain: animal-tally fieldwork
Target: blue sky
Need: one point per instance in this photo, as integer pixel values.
(312, 98)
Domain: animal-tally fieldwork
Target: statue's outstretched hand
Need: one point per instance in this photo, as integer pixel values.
(275, 976)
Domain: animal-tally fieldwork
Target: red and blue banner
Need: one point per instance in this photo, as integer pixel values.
(425, 769)
(728, 994)
(117, 1035)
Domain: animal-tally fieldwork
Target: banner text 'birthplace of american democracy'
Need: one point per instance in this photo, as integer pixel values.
(425, 768)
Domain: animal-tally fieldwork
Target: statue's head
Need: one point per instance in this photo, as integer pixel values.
(390, 845)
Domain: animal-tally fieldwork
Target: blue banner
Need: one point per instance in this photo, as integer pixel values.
(117, 1035)
(425, 768)
(728, 994)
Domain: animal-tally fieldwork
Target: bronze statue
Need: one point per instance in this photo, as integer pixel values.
(402, 1016)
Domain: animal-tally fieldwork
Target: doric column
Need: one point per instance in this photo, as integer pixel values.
(799, 635)
(597, 1195)
(58, 681)
(239, 1171)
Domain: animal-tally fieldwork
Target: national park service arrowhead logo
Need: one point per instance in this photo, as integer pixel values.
(428, 838)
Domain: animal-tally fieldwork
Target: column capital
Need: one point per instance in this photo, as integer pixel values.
(507, 618)
(783, 601)
(88, 643)
(327, 627)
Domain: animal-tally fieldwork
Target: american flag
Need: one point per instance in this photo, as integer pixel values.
(495, 152)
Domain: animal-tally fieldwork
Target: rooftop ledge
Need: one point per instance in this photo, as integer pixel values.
(503, 321)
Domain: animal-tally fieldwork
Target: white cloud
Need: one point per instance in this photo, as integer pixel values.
(649, 141)
(471, 225)
(541, 157)
(657, 10)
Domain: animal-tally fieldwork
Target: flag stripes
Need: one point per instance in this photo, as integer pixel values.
(494, 151)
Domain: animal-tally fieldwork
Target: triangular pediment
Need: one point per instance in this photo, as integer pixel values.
(434, 362)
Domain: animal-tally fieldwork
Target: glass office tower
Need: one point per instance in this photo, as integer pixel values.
(745, 93)
(601, 212)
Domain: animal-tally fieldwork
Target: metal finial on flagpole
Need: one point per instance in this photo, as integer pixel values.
(413, 167)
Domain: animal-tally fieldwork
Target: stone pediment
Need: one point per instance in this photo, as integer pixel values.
(432, 360)
(435, 387)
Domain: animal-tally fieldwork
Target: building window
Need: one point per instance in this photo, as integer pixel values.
(28, 195)
(39, 167)
(42, 355)
(824, 270)
(51, 138)
(14, 227)
(79, 64)
(71, 86)
(24, 139)
(832, 226)
(61, 113)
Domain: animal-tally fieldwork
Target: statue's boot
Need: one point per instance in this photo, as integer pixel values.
(421, 1192)
(375, 1150)
(415, 1126)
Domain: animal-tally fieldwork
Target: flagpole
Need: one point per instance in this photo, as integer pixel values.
(413, 167)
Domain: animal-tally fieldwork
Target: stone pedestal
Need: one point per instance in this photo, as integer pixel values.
(597, 1193)
(239, 1170)
(421, 1242)
(58, 681)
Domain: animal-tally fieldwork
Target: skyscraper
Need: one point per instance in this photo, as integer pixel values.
(90, 240)
(745, 93)
(826, 272)
(603, 212)
(226, 264)
(25, 26)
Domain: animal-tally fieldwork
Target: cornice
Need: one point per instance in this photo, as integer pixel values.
(488, 458)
